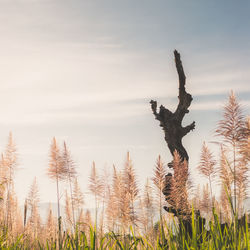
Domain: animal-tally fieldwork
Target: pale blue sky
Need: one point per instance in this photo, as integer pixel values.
(85, 71)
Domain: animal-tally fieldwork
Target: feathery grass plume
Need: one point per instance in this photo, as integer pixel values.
(241, 183)
(68, 213)
(15, 228)
(81, 222)
(243, 167)
(34, 220)
(57, 172)
(207, 166)
(11, 156)
(3, 187)
(117, 207)
(33, 196)
(95, 186)
(113, 201)
(225, 207)
(121, 200)
(196, 200)
(179, 191)
(148, 207)
(89, 224)
(10, 162)
(111, 210)
(18, 223)
(245, 144)
(231, 127)
(206, 201)
(13, 223)
(104, 194)
(3, 175)
(143, 220)
(226, 173)
(131, 187)
(88, 218)
(71, 174)
(50, 225)
(159, 182)
(78, 198)
(226, 179)
(232, 130)
(33, 227)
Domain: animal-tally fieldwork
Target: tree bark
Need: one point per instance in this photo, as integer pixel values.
(170, 122)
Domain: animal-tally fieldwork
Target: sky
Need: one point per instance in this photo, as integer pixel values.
(84, 71)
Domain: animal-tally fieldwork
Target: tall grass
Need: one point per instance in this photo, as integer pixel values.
(218, 236)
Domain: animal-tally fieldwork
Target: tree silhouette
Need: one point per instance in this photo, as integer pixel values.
(170, 122)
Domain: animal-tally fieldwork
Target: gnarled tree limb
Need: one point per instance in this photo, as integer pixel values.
(170, 122)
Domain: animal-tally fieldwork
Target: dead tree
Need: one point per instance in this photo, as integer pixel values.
(170, 122)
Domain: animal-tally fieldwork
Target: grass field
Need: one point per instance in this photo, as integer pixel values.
(232, 236)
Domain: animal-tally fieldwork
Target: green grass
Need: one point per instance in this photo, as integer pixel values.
(232, 236)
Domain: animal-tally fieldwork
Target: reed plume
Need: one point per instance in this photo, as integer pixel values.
(104, 195)
(225, 207)
(95, 186)
(88, 218)
(159, 182)
(3, 176)
(111, 210)
(207, 166)
(81, 222)
(206, 200)
(71, 174)
(78, 197)
(10, 163)
(179, 191)
(245, 144)
(121, 199)
(57, 172)
(68, 212)
(32, 201)
(243, 167)
(147, 204)
(130, 185)
(226, 173)
(50, 225)
(232, 130)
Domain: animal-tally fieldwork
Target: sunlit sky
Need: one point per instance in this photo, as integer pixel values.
(84, 71)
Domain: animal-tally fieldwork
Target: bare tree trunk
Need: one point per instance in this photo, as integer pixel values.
(170, 122)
